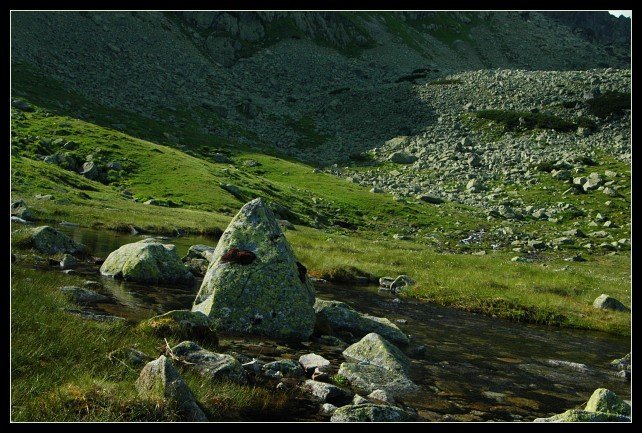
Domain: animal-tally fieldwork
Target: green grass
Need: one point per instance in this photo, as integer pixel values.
(553, 292)
(60, 370)
(492, 284)
(190, 183)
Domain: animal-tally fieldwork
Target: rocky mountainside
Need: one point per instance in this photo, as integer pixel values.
(520, 118)
(318, 86)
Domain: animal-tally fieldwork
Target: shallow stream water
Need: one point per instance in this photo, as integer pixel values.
(475, 368)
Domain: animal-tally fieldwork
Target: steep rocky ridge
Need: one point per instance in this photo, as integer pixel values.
(318, 86)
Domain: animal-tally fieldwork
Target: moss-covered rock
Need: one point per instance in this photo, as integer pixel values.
(333, 316)
(376, 350)
(623, 363)
(576, 415)
(283, 368)
(327, 392)
(603, 406)
(369, 412)
(19, 209)
(254, 283)
(604, 400)
(147, 261)
(159, 380)
(214, 366)
(366, 378)
(50, 241)
(182, 324)
(198, 259)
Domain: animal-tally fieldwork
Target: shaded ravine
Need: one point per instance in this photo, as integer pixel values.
(473, 368)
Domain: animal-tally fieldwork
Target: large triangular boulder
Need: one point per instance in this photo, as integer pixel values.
(254, 283)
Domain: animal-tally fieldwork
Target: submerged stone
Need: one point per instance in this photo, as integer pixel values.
(254, 284)
(333, 316)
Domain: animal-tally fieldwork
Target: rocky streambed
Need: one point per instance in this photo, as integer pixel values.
(465, 367)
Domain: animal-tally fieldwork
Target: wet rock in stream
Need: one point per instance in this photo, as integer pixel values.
(333, 316)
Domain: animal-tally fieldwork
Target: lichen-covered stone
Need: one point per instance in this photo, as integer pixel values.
(576, 415)
(311, 361)
(198, 259)
(215, 366)
(159, 380)
(283, 368)
(370, 412)
(68, 261)
(604, 400)
(623, 363)
(50, 241)
(19, 209)
(605, 302)
(327, 392)
(147, 261)
(365, 379)
(333, 316)
(376, 350)
(200, 251)
(381, 395)
(184, 324)
(267, 295)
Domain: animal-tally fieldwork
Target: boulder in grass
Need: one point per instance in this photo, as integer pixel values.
(147, 261)
(48, 240)
(20, 210)
(605, 302)
(159, 380)
(254, 283)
